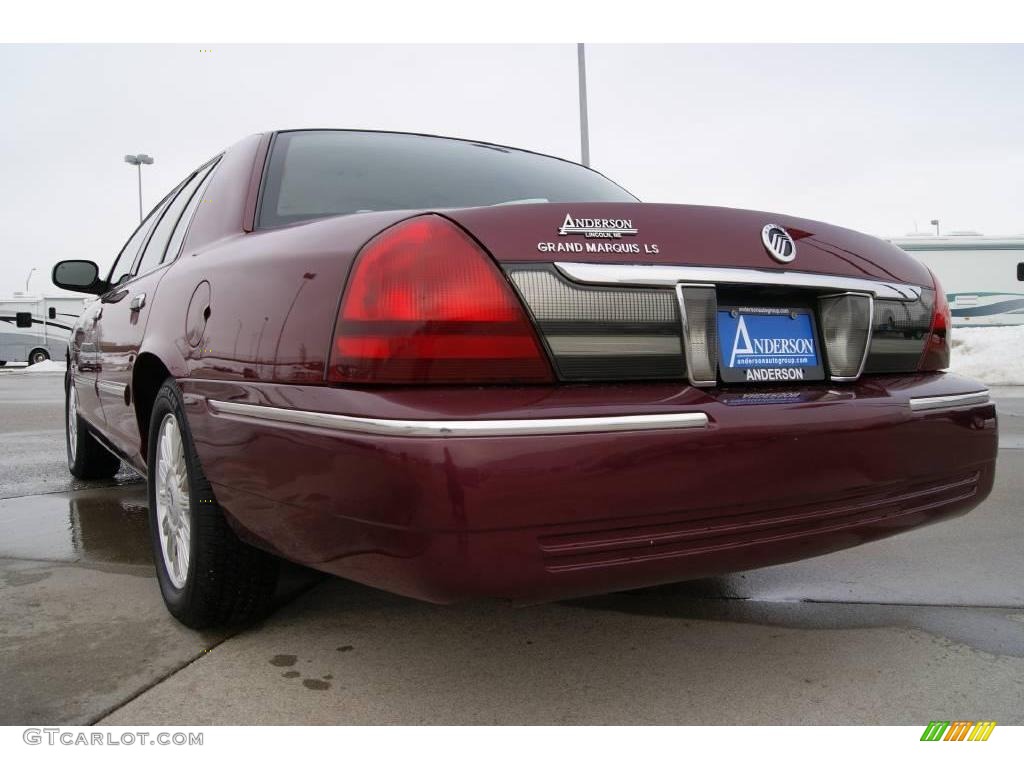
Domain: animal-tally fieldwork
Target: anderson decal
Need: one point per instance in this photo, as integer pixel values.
(597, 229)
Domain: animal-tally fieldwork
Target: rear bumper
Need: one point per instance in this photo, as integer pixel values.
(541, 493)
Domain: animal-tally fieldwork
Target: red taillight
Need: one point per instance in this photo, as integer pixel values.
(426, 304)
(936, 347)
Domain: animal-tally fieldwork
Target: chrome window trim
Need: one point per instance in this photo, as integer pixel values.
(459, 427)
(945, 402)
(669, 276)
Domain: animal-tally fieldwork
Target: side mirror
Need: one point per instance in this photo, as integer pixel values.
(80, 276)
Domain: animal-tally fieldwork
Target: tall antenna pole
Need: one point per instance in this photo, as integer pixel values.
(584, 125)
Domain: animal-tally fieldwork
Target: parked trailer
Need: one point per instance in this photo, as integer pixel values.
(983, 276)
(36, 328)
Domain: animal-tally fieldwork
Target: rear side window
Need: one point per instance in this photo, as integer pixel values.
(23, 319)
(174, 246)
(314, 174)
(153, 254)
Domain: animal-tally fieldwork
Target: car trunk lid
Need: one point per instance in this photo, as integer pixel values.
(643, 291)
(668, 234)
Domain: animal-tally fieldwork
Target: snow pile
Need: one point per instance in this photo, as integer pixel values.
(47, 366)
(994, 355)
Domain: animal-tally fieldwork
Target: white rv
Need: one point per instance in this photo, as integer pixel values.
(36, 328)
(983, 277)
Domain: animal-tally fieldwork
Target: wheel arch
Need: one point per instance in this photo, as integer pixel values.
(148, 374)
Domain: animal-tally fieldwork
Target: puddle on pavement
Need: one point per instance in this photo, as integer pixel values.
(103, 525)
(993, 630)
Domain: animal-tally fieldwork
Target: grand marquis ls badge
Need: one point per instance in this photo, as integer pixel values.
(778, 243)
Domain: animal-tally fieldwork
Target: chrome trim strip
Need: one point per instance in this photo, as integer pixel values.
(658, 275)
(459, 428)
(111, 386)
(623, 345)
(945, 402)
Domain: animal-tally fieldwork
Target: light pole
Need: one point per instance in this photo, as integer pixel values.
(581, 61)
(27, 279)
(138, 161)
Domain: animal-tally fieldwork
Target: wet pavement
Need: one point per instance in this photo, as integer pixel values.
(899, 631)
(82, 626)
(101, 525)
(33, 452)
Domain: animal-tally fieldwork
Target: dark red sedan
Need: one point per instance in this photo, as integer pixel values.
(452, 369)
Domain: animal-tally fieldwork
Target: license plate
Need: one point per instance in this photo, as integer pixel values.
(768, 344)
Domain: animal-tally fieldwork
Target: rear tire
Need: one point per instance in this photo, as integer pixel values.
(38, 356)
(87, 458)
(208, 576)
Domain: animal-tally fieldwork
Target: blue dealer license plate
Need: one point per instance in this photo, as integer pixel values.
(766, 344)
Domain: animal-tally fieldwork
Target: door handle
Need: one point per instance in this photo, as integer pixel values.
(138, 302)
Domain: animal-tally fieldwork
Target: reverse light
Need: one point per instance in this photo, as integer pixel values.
(698, 307)
(936, 346)
(846, 321)
(425, 304)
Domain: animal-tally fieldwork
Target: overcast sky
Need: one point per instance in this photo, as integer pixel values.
(870, 137)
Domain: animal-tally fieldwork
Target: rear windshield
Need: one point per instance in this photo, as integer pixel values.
(313, 174)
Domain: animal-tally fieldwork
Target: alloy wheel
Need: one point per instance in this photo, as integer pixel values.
(72, 421)
(173, 505)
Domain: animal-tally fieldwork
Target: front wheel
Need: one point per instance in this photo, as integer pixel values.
(208, 576)
(87, 458)
(38, 356)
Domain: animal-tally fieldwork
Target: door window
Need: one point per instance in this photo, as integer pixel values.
(174, 246)
(122, 268)
(153, 254)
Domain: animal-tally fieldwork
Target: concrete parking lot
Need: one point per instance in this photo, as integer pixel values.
(924, 626)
